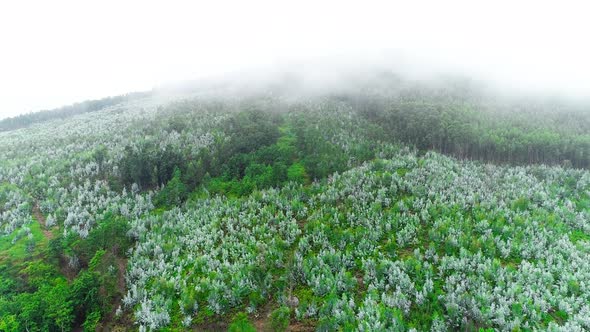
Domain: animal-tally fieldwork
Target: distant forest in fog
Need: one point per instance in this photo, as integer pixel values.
(25, 120)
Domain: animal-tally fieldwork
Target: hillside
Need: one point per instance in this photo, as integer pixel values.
(381, 205)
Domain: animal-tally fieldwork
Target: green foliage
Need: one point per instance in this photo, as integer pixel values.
(149, 166)
(91, 322)
(100, 155)
(511, 132)
(296, 173)
(19, 247)
(58, 304)
(267, 166)
(251, 129)
(317, 200)
(95, 261)
(520, 204)
(111, 235)
(175, 191)
(9, 323)
(85, 293)
(45, 301)
(279, 319)
(578, 235)
(240, 323)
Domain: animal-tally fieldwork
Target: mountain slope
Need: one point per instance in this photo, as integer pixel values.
(283, 209)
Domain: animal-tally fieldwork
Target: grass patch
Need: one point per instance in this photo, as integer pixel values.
(24, 247)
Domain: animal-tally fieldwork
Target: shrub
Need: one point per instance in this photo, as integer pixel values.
(279, 319)
(296, 173)
(241, 324)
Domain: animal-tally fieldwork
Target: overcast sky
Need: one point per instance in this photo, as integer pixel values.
(58, 52)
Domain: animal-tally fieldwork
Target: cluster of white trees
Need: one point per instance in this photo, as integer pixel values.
(392, 241)
(15, 210)
(84, 205)
(51, 164)
(55, 164)
(213, 256)
(466, 244)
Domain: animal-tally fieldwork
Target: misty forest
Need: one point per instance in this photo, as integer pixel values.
(388, 204)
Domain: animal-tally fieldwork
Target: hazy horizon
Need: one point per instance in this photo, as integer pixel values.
(64, 52)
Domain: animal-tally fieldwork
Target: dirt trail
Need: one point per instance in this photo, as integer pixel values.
(68, 272)
(121, 268)
(260, 320)
(41, 219)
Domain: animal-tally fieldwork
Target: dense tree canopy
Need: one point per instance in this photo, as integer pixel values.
(389, 205)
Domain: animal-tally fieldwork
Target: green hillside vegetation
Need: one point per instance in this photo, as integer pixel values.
(393, 206)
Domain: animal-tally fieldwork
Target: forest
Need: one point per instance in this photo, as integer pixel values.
(388, 205)
(26, 120)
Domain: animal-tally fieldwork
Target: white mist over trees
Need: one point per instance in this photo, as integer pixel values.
(63, 52)
(215, 206)
(307, 166)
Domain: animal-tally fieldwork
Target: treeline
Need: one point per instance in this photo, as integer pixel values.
(254, 148)
(494, 133)
(149, 165)
(25, 120)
